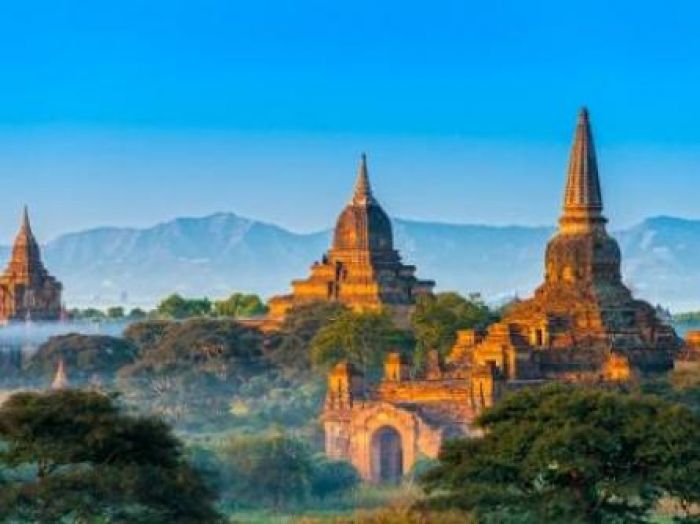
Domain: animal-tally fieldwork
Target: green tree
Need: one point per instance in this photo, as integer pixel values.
(146, 335)
(115, 312)
(361, 338)
(176, 307)
(332, 477)
(566, 454)
(289, 349)
(137, 314)
(87, 314)
(240, 305)
(72, 456)
(274, 470)
(188, 371)
(437, 319)
(87, 358)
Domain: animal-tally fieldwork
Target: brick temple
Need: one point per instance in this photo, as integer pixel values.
(362, 269)
(27, 291)
(581, 325)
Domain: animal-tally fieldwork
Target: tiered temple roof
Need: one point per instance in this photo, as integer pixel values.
(27, 291)
(361, 269)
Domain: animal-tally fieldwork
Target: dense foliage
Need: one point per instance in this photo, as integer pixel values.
(190, 370)
(72, 456)
(177, 307)
(278, 471)
(88, 358)
(240, 305)
(115, 313)
(289, 349)
(362, 338)
(691, 317)
(437, 319)
(565, 454)
(237, 305)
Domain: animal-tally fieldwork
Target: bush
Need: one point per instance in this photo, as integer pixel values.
(267, 471)
(88, 358)
(332, 477)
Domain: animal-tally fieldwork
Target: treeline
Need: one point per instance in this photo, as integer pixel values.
(177, 307)
(691, 317)
(211, 372)
(554, 453)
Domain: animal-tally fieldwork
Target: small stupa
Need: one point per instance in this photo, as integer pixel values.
(60, 379)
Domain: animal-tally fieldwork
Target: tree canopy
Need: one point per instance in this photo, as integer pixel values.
(73, 456)
(87, 358)
(437, 319)
(362, 338)
(177, 307)
(191, 367)
(279, 470)
(567, 454)
(240, 305)
(289, 348)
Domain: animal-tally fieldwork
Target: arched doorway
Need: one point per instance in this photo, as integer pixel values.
(387, 455)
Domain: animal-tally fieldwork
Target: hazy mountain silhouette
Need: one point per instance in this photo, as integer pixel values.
(221, 253)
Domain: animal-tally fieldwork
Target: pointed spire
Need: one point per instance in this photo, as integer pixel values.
(26, 257)
(25, 226)
(583, 203)
(363, 190)
(60, 380)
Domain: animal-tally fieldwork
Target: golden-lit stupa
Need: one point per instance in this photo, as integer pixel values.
(362, 269)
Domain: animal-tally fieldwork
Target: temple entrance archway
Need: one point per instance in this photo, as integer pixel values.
(387, 455)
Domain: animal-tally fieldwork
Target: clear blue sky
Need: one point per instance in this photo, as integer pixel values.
(134, 112)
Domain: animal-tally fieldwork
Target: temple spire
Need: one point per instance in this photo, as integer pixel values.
(60, 380)
(26, 226)
(363, 190)
(25, 258)
(25, 236)
(583, 203)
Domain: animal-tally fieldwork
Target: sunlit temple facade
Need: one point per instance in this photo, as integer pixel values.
(27, 291)
(362, 269)
(581, 325)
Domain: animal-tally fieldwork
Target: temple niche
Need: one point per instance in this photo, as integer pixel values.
(361, 269)
(27, 291)
(582, 325)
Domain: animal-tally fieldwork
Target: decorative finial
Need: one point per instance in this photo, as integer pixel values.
(25, 218)
(583, 202)
(363, 190)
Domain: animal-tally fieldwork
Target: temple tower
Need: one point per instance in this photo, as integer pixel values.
(582, 257)
(582, 316)
(27, 291)
(362, 269)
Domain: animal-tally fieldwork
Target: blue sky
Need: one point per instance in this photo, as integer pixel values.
(130, 113)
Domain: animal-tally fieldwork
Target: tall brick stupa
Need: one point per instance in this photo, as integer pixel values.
(583, 317)
(27, 291)
(362, 269)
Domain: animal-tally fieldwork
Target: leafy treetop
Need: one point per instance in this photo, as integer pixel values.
(569, 454)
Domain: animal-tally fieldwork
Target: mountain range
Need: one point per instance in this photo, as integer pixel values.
(221, 253)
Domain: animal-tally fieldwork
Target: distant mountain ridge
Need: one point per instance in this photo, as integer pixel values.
(223, 252)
